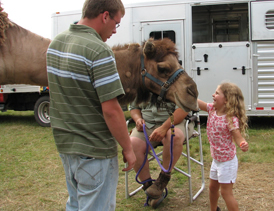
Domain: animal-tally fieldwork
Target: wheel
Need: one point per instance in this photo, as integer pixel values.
(41, 111)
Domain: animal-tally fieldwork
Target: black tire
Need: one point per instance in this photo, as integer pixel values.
(41, 111)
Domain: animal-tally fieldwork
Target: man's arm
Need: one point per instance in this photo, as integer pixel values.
(116, 123)
(160, 132)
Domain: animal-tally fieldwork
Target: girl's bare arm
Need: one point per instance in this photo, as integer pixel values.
(202, 105)
(239, 140)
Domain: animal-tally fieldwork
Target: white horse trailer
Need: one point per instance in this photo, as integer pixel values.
(224, 40)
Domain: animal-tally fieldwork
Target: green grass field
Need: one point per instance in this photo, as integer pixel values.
(32, 177)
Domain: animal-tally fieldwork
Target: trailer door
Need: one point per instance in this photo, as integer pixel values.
(163, 29)
(221, 50)
(214, 63)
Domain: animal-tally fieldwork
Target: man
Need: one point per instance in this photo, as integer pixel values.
(86, 117)
(158, 125)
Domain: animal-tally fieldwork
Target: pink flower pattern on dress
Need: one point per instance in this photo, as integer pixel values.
(219, 135)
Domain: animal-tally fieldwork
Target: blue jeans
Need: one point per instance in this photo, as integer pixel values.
(91, 182)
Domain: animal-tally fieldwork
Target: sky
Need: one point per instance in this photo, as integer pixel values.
(35, 15)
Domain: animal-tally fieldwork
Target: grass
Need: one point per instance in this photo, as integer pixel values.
(32, 176)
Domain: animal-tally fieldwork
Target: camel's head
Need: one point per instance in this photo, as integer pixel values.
(161, 61)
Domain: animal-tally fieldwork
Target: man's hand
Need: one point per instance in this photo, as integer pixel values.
(158, 134)
(129, 157)
(139, 124)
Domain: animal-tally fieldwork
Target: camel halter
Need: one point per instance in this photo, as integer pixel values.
(164, 85)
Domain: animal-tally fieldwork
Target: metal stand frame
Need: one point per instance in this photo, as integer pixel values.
(195, 118)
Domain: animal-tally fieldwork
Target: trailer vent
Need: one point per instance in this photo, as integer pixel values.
(269, 19)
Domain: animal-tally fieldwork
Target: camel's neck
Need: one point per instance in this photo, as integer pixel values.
(24, 57)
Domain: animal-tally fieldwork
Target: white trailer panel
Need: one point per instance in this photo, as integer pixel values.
(264, 74)
(235, 37)
(262, 16)
(214, 63)
(18, 88)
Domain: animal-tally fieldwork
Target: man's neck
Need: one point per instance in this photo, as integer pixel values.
(93, 23)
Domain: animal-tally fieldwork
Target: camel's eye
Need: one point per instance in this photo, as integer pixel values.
(162, 70)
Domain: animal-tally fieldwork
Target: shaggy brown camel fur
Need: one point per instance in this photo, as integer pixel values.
(22, 54)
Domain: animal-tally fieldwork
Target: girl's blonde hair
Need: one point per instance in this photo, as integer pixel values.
(235, 105)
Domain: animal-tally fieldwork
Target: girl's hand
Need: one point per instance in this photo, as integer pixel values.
(239, 140)
(244, 146)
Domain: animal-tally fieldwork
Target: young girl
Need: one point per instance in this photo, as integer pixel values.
(226, 124)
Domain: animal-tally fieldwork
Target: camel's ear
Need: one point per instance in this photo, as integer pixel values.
(149, 50)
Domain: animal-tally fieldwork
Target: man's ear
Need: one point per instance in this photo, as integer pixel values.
(105, 16)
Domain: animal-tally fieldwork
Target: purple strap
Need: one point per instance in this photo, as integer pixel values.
(171, 149)
(170, 163)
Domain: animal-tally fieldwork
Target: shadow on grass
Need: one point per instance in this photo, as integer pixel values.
(18, 117)
(254, 122)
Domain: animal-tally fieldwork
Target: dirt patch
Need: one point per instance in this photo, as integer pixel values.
(254, 191)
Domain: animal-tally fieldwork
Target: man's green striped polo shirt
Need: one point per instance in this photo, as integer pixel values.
(82, 74)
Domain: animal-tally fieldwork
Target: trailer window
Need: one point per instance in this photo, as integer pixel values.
(220, 23)
(163, 34)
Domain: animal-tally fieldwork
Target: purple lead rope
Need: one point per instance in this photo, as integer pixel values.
(170, 163)
(171, 150)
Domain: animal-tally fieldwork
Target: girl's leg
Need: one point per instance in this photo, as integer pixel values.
(214, 186)
(227, 194)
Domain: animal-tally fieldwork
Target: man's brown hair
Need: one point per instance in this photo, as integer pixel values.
(92, 8)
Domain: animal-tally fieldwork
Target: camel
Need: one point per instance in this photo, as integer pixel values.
(161, 61)
(22, 54)
(23, 61)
